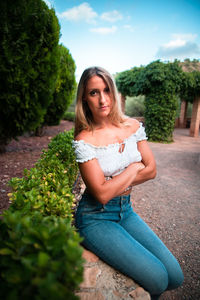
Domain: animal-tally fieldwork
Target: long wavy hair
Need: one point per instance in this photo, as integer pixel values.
(84, 118)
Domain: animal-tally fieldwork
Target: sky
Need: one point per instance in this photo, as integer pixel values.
(121, 34)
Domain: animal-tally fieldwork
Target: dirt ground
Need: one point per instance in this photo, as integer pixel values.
(169, 203)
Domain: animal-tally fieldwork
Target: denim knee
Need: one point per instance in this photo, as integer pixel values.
(159, 282)
(177, 279)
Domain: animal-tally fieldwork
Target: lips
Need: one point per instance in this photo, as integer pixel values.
(103, 107)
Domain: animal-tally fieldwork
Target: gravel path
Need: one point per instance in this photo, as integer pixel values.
(170, 205)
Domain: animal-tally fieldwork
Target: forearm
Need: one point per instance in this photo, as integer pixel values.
(117, 185)
(109, 189)
(149, 170)
(148, 173)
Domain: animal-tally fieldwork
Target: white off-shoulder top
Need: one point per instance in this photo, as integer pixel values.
(110, 159)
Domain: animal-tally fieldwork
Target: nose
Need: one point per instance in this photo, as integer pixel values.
(102, 98)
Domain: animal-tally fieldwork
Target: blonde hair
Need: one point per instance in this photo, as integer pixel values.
(84, 118)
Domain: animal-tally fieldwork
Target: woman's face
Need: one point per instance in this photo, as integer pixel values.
(98, 97)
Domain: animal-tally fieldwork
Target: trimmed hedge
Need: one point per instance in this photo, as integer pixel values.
(47, 187)
(29, 36)
(65, 88)
(40, 255)
(161, 86)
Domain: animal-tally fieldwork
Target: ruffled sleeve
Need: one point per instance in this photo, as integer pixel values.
(83, 151)
(141, 134)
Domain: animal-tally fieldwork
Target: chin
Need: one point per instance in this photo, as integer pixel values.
(105, 114)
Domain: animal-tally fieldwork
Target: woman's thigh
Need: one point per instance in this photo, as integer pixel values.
(144, 235)
(113, 244)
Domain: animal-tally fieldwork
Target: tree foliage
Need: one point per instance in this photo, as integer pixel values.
(128, 82)
(190, 87)
(29, 34)
(65, 88)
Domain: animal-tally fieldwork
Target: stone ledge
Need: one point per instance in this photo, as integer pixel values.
(102, 282)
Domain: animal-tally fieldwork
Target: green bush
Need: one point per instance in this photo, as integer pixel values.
(40, 258)
(65, 88)
(69, 115)
(47, 187)
(29, 35)
(61, 146)
(43, 190)
(162, 83)
(159, 117)
(134, 106)
(40, 255)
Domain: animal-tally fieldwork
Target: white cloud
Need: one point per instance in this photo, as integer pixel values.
(104, 30)
(187, 36)
(128, 27)
(111, 16)
(181, 46)
(83, 12)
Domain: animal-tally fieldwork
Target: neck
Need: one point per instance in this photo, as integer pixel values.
(102, 123)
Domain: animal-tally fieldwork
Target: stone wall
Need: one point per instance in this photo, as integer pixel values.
(101, 282)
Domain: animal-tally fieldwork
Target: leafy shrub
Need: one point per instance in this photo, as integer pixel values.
(162, 84)
(65, 88)
(47, 187)
(43, 190)
(29, 35)
(40, 257)
(61, 146)
(69, 115)
(134, 106)
(160, 118)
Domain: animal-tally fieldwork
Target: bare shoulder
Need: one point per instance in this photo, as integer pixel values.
(84, 135)
(133, 123)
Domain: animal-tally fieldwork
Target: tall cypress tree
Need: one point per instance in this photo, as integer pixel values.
(29, 35)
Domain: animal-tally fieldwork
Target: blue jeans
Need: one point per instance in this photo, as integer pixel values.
(116, 234)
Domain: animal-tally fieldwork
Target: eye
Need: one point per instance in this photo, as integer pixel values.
(93, 92)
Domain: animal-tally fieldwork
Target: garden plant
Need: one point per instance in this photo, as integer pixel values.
(40, 252)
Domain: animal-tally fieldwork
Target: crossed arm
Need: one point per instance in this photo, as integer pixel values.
(134, 174)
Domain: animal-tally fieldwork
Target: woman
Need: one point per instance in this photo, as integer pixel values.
(114, 156)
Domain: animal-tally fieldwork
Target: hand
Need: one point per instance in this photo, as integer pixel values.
(138, 166)
(141, 166)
